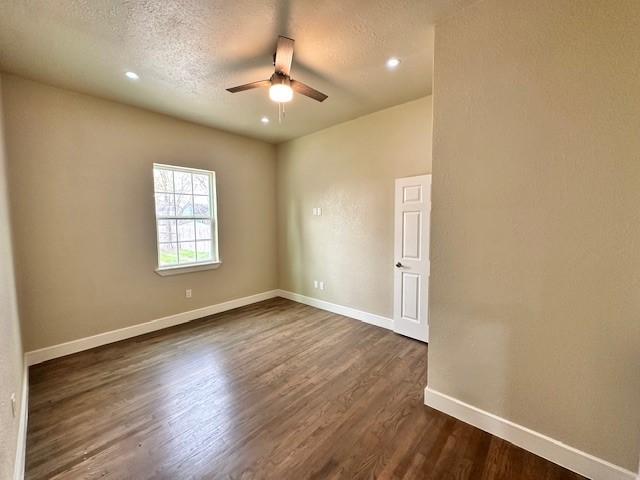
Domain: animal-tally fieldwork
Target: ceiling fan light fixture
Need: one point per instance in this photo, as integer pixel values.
(280, 93)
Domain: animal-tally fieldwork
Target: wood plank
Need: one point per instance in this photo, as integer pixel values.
(272, 390)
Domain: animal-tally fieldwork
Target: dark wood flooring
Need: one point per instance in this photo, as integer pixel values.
(275, 390)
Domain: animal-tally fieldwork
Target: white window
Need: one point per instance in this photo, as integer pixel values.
(186, 219)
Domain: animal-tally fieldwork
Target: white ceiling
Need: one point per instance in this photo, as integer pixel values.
(188, 51)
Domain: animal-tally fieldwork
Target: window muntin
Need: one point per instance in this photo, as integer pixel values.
(186, 223)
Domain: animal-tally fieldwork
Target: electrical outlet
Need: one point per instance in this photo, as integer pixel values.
(315, 284)
(187, 293)
(317, 211)
(321, 285)
(13, 405)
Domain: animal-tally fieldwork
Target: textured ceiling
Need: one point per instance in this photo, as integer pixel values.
(188, 51)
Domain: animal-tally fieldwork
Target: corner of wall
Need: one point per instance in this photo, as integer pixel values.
(13, 369)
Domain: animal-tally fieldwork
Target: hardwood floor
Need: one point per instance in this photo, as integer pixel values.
(275, 390)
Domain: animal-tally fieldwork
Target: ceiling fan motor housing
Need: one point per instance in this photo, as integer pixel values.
(280, 78)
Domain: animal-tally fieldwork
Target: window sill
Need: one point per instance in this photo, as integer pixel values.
(166, 271)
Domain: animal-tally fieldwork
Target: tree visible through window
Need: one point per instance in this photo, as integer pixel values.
(186, 220)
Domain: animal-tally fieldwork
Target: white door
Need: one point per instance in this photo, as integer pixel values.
(411, 278)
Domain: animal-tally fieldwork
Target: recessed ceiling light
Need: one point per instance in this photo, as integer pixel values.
(264, 120)
(392, 63)
(132, 75)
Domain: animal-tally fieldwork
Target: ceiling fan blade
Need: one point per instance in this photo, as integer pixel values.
(249, 86)
(307, 91)
(284, 55)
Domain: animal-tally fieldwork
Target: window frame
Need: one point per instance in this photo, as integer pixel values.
(215, 262)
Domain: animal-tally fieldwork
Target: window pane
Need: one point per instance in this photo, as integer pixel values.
(186, 230)
(187, 252)
(182, 182)
(200, 184)
(163, 180)
(167, 231)
(204, 251)
(201, 206)
(167, 254)
(184, 205)
(164, 205)
(203, 229)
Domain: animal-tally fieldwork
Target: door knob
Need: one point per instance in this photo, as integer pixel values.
(399, 265)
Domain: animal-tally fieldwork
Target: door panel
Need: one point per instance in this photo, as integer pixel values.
(410, 297)
(411, 278)
(411, 235)
(413, 193)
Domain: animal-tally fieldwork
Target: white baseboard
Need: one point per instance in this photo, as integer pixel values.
(21, 447)
(571, 458)
(43, 354)
(67, 348)
(372, 318)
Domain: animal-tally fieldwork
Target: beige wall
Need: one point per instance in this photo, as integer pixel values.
(11, 368)
(348, 170)
(82, 200)
(535, 280)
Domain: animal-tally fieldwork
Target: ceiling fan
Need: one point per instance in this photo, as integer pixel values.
(281, 86)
